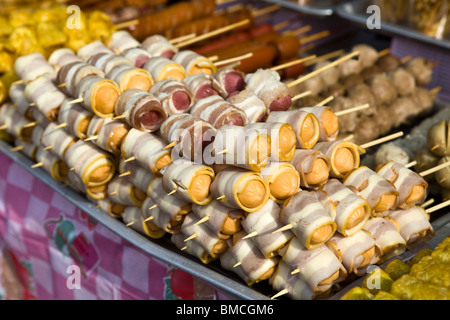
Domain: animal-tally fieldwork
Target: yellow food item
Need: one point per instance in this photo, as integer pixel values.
(397, 268)
(377, 280)
(358, 293)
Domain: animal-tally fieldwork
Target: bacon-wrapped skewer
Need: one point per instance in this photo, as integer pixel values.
(283, 180)
(261, 226)
(284, 282)
(358, 251)
(379, 193)
(305, 124)
(344, 156)
(268, 87)
(414, 225)
(141, 110)
(313, 167)
(14, 123)
(409, 184)
(146, 148)
(158, 46)
(122, 40)
(17, 96)
(132, 217)
(220, 219)
(241, 189)
(75, 118)
(200, 233)
(190, 134)
(194, 63)
(46, 96)
(201, 85)
(352, 211)
(311, 216)
(92, 193)
(122, 191)
(219, 112)
(107, 61)
(32, 66)
(242, 147)
(111, 134)
(115, 210)
(138, 176)
(70, 75)
(246, 260)
(51, 163)
(191, 181)
(230, 81)
(161, 68)
(27, 148)
(61, 57)
(329, 122)
(174, 95)
(320, 268)
(91, 49)
(58, 140)
(91, 164)
(388, 241)
(138, 56)
(254, 108)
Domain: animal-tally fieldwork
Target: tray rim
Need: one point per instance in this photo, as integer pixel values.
(306, 9)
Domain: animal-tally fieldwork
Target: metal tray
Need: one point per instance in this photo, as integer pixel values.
(162, 249)
(317, 7)
(355, 11)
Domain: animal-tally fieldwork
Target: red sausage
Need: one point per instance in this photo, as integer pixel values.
(181, 100)
(281, 104)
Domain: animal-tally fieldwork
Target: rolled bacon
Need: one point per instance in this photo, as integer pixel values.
(222, 220)
(174, 95)
(70, 75)
(14, 121)
(241, 189)
(111, 135)
(141, 110)
(52, 164)
(17, 97)
(194, 63)
(283, 180)
(137, 175)
(130, 77)
(243, 147)
(115, 210)
(146, 148)
(264, 222)
(32, 66)
(161, 68)
(158, 46)
(193, 248)
(267, 85)
(305, 124)
(388, 241)
(107, 61)
(344, 156)
(311, 215)
(296, 287)
(414, 225)
(313, 167)
(122, 191)
(319, 267)
(192, 135)
(200, 85)
(91, 164)
(379, 193)
(352, 211)
(219, 112)
(122, 40)
(409, 184)
(58, 139)
(329, 122)
(138, 56)
(61, 57)
(191, 181)
(132, 216)
(91, 49)
(76, 118)
(246, 260)
(230, 81)
(254, 108)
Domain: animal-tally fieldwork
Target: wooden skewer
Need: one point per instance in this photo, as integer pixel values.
(411, 164)
(170, 145)
(314, 37)
(129, 224)
(281, 25)
(149, 218)
(37, 165)
(91, 138)
(266, 10)
(62, 85)
(349, 137)
(279, 294)
(127, 173)
(439, 206)
(172, 192)
(61, 125)
(350, 110)
(182, 38)
(231, 60)
(284, 228)
(132, 158)
(435, 91)
(384, 52)
(48, 148)
(17, 82)
(221, 197)
(237, 264)
(18, 148)
(298, 31)
(191, 237)
(381, 140)
(405, 59)
(79, 100)
(325, 101)
(250, 235)
(213, 58)
(113, 193)
(222, 152)
(301, 95)
(295, 271)
(32, 104)
(121, 116)
(126, 24)
(153, 207)
(212, 33)
(204, 219)
(435, 169)
(31, 124)
(327, 67)
(293, 63)
(325, 57)
(4, 127)
(427, 203)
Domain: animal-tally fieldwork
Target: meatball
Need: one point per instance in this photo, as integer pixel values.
(362, 94)
(347, 122)
(421, 69)
(402, 110)
(389, 63)
(367, 130)
(350, 67)
(330, 76)
(404, 81)
(423, 98)
(383, 89)
(391, 152)
(368, 55)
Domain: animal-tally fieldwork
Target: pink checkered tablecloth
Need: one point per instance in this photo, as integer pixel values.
(44, 238)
